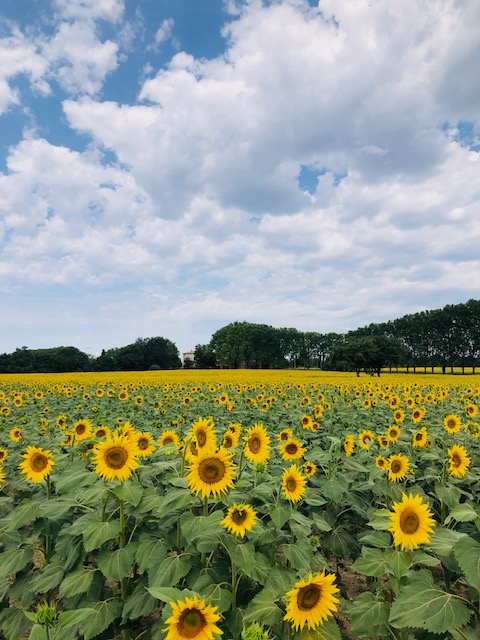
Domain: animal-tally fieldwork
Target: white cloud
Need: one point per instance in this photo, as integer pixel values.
(201, 211)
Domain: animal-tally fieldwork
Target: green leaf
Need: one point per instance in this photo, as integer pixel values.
(423, 605)
(150, 552)
(298, 555)
(420, 557)
(443, 540)
(320, 523)
(76, 478)
(68, 618)
(76, 582)
(13, 623)
(130, 492)
(244, 557)
(380, 520)
(462, 513)
(166, 594)
(314, 498)
(116, 564)
(25, 513)
(328, 630)
(448, 495)
(261, 568)
(139, 603)
(47, 578)
(467, 554)
(372, 562)
(369, 616)
(218, 597)
(15, 560)
(334, 488)
(279, 516)
(97, 533)
(262, 608)
(169, 572)
(398, 561)
(38, 632)
(280, 580)
(106, 612)
(56, 508)
(378, 539)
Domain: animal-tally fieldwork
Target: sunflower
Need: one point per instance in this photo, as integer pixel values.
(419, 438)
(349, 444)
(381, 462)
(123, 395)
(471, 410)
(101, 432)
(16, 434)
(168, 437)
(61, 422)
(38, 463)
(3, 455)
(293, 483)
(204, 435)
(399, 415)
(193, 619)
(306, 422)
(417, 414)
(411, 522)
(312, 601)
(230, 439)
(211, 473)
(452, 423)
(285, 434)
(257, 444)
(145, 444)
(393, 433)
(365, 439)
(82, 429)
(398, 467)
(291, 449)
(239, 519)
(383, 441)
(115, 458)
(309, 469)
(458, 460)
(236, 428)
(2, 476)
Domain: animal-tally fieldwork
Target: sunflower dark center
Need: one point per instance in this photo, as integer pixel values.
(80, 429)
(167, 440)
(419, 437)
(116, 457)
(291, 448)
(255, 444)
(396, 466)
(308, 597)
(409, 521)
(39, 462)
(142, 444)
(291, 484)
(239, 516)
(211, 470)
(201, 438)
(191, 623)
(228, 442)
(456, 460)
(451, 424)
(284, 436)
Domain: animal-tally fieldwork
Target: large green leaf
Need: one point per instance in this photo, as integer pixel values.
(448, 495)
(67, 619)
(48, 578)
(280, 580)
(218, 597)
(467, 554)
(328, 630)
(167, 594)
(150, 552)
(130, 492)
(139, 603)
(262, 608)
(398, 561)
(372, 562)
(15, 560)
(443, 540)
(298, 555)
(13, 623)
(76, 582)
(76, 477)
(369, 616)
(27, 511)
(116, 564)
(170, 571)
(57, 508)
(423, 605)
(279, 516)
(105, 613)
(97, 533)
(462, 513)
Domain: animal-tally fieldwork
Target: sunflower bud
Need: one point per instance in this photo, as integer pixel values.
(255, 632)
(46, 613)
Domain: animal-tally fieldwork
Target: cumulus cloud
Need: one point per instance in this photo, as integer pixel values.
(191, 194)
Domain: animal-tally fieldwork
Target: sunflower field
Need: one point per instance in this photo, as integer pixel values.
(244, 505)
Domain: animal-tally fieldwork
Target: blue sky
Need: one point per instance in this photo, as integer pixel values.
(170, 166)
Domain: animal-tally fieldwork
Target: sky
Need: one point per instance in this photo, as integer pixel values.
(170, 166)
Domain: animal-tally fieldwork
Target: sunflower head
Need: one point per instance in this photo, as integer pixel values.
(349, 444)
(192, 619)
(292, 449)
(398, 467)
(366, 438)
(37, 464)
(257, 444)
(411, 522)
(239, 519)
(202, 431)
(115, 458)
(212, 473)
(312, 601)
(452, 423)
(458, 461)
(293, 483)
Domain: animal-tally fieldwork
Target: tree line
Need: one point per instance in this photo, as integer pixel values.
(447, 338)
(143, 354)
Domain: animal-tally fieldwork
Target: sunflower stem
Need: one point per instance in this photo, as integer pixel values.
(234, 586)
(240, 467)
(48, 536)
